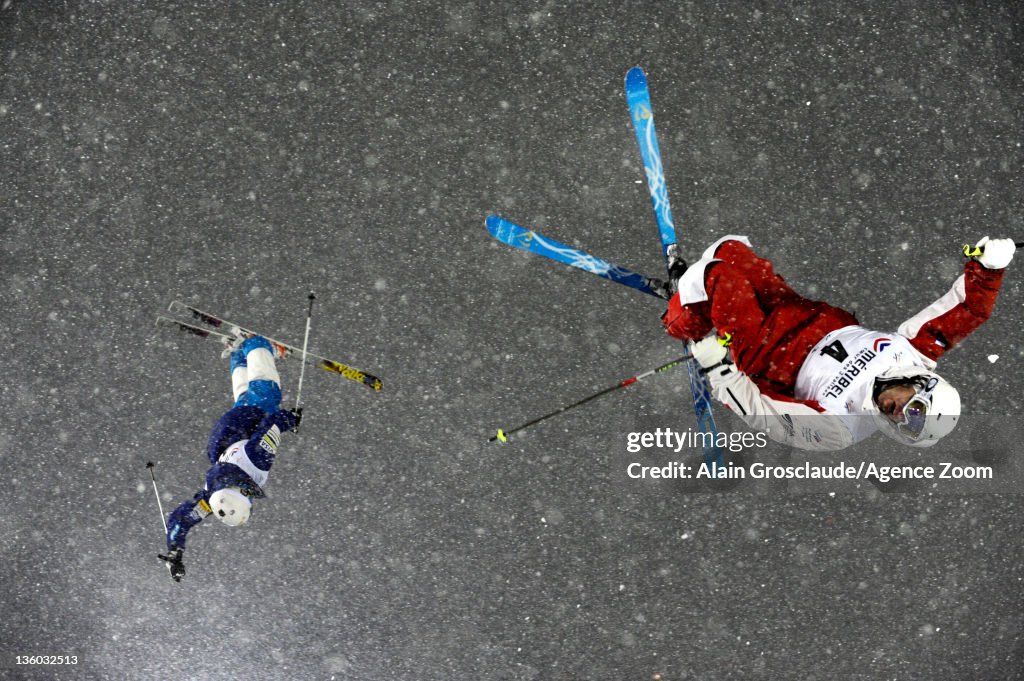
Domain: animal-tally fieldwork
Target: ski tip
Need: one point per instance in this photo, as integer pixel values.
(499, 227)
(635, 76)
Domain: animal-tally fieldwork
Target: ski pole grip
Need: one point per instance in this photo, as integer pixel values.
(972, 251)
(975, 251)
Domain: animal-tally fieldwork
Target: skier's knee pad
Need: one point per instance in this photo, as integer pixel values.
(259, 357)
(263, 394)
(253, 342)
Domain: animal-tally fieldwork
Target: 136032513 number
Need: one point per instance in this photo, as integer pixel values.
(45, 659)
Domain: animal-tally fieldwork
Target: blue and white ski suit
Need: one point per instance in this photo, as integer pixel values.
(243, 443)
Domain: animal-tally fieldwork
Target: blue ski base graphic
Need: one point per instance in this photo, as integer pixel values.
(642, 114)
(528, 240)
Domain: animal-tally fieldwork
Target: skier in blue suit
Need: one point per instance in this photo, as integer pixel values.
(241, 448)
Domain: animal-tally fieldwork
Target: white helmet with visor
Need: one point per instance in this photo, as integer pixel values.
(928, 415)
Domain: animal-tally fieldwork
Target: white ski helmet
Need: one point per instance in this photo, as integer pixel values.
(230, 506)
(928, 416)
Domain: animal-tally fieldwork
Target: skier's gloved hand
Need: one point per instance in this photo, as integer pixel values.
(710, 353)
(288, 419)
(175, 564)
(993, 254)
(676, 268)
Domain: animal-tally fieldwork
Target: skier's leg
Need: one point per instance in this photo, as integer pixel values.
(770, 288)
(264, 384)
(771, 326)
(737, 273)
(729, 289)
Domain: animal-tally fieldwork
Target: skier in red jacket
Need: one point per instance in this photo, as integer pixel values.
(806, 372)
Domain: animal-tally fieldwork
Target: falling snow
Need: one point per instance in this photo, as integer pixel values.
(238, 157)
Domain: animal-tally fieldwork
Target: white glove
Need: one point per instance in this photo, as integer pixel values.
(708, 352)
(995, 253)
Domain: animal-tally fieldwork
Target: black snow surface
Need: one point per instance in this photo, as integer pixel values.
(238, 155)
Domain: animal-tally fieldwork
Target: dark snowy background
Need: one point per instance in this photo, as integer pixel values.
(237, 155)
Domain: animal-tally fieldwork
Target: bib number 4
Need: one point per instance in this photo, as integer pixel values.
(836, 351)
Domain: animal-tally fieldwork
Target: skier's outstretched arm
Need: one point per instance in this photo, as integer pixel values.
(187, 515)
(966, 306)
(796, 423)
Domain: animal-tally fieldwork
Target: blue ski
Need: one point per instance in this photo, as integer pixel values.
(514, 235)
(641, 112)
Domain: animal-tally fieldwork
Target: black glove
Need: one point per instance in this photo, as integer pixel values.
(676, 268)
(174, 563)
(297, 416)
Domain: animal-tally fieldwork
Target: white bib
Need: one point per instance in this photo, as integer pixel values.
(840, 371)
(236, 455)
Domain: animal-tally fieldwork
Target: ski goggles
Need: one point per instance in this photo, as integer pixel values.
(915, 414)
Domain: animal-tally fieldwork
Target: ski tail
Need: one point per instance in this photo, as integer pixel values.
(222, 332)
(641, 112)
(512, 234)
(167, 322)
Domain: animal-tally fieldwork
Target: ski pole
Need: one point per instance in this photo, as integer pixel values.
(305, 346)
(503, 434)
(149, 465)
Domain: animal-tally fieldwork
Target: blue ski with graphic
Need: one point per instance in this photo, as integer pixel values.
(641, 112)
(528, 240)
